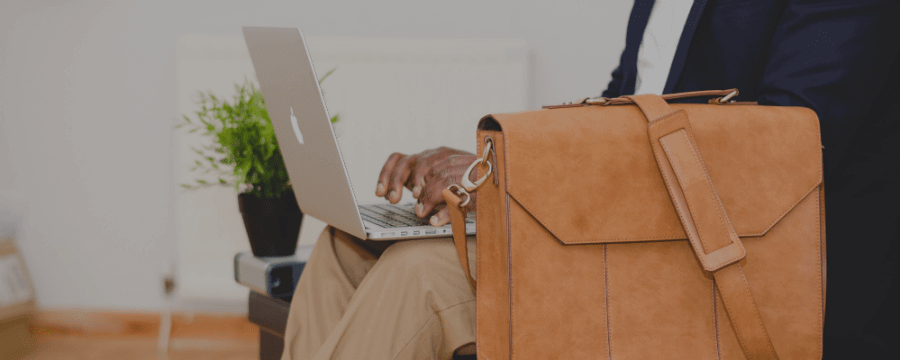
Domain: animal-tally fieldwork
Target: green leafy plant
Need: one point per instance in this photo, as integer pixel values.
(244, 152)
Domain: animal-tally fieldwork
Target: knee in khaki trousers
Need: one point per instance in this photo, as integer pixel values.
(360, 300)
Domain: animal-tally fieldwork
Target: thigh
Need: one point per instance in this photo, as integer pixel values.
(329, 280)
(415, 303)
(355, 256)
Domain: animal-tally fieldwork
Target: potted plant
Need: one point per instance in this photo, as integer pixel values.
(244, 153)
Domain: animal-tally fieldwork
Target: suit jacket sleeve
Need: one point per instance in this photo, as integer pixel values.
(832, 57)
(615, 84)
(614, 88)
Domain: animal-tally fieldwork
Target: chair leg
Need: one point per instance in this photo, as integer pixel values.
(270, 346)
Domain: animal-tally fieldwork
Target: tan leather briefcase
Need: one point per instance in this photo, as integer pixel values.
(630, 228)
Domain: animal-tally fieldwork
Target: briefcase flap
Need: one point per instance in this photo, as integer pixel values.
(588, 174)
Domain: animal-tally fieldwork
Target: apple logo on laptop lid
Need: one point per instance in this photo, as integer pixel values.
(296, 127)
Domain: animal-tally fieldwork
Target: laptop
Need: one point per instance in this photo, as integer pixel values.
(310, 149)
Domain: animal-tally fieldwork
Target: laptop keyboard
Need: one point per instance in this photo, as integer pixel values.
(391, 216)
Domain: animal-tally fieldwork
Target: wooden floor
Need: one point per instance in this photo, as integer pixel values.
(80, 335)
(70, 347)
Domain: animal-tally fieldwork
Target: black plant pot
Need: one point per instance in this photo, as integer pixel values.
(273, 225)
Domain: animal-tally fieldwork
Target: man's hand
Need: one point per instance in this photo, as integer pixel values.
(427, 174)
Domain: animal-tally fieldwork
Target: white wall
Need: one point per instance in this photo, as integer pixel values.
(430, 91)
(87, 102)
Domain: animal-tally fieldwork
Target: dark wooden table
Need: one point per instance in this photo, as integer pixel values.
(271, 316)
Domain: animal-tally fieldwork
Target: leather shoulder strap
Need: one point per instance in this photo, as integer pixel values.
(705, 222)
(458, 223)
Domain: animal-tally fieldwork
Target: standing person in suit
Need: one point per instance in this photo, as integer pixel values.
(839, 58)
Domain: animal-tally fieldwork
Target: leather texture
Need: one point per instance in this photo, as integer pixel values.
(458, 223)
(704, 220)
(678, 231)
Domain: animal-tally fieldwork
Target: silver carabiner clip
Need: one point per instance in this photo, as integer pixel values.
(468, 184)
(488, 150)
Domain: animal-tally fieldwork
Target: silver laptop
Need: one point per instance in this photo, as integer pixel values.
(309, 147)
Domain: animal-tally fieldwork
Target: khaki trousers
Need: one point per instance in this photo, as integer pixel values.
(381, 300)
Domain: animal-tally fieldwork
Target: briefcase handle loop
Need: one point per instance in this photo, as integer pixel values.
(724, 97)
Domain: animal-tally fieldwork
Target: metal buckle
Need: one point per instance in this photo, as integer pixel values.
(596, 101)
(728, 97)
(460, 191)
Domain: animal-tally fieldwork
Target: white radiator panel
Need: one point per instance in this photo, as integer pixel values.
(402, 95)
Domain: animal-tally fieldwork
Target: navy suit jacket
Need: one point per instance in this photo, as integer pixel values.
(839, 58)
